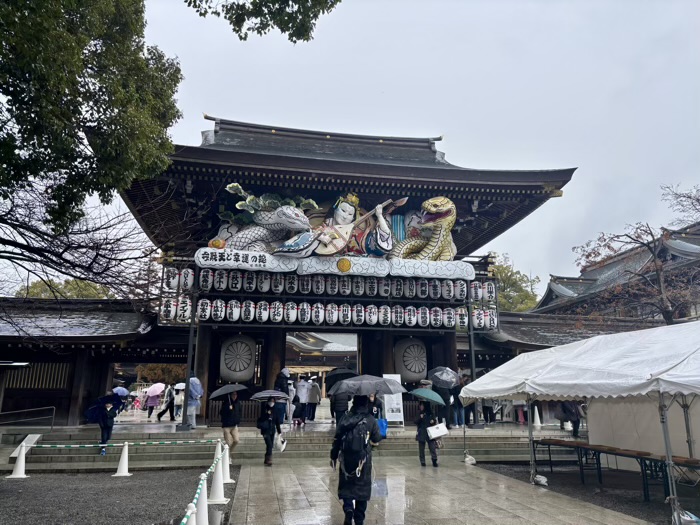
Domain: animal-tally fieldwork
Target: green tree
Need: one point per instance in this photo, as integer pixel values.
(161, 373)
(516, 290)
(68, 289)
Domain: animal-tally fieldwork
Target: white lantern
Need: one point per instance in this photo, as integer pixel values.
(475, 291)
(277, 283)
(462, 319)
(318, 312)
(168, 309)
(233, 311)
(290, 283)
(448, 317)
(489, 289)
(358, 285)
(492, 323)
(461, 288)
(371, 315)
(276, 311)
(384, 315)
(397, 287)
(187, 278)
(423, 316)
(397, 315)
(358, 314)
(436, 317)
(371, 286)
(304, 312)
(235, 280)
(290, 312)
(248, 311)
(344, 285)
(477, 319)
(409, 288)
(220, 280)
(422, 288)
(264, 282)
(410, 359)
(249, 281)
(435, 289)
(332, 284)
(184, 309)
(218, 309)
(171, 278)
(262, 312)
(305, 284)
(318, 284)
(331, 313)
(206, 277)
(237, 362)
(448, 290)
(384, 287)
(410, 316)
(345, 314)
(203, 309)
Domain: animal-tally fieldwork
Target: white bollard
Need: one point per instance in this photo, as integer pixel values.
(192, 520)
(18, 471)
(217, 452)
(536, 418)
(123, 468)
(203, 504)
(217, 487)
(227, 466)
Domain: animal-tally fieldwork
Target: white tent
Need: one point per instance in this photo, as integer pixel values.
(661, 362)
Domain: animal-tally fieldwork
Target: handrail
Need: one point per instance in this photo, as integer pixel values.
(52, 416)
(192, 507)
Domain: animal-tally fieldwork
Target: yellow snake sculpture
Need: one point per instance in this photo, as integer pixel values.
(439, 214)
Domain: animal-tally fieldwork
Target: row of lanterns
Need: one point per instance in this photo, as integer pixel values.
(264, 282)
(318, 313)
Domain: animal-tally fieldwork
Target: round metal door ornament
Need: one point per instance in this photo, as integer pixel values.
(410, 316)
(277, 283)
(318, 313)
(358, 285)
(206, 278)
(187, 278)
(276, 311)
(448, 290)
(331, 313)
(475, 291)
(410, 359)
(371, 315)
(462, 319)
(384, 287)
(233, 311)
(248, 311)
(435, 289)
(290, 312)
(477, 319)
(220, 280)
(318, 284)
(291, 283)
(344, 285)
(345, 314)
(237, 359)
(422, 288)
(184, 309)
(397, 315)
(203, 309)
(358, 314)
(371, 286)
(423, 316)
(461, 289)
(384, 315)
(332, 284)
(262, 312)
(249, 282)
(304, 312)
(264, 282)
(168, 309)
(409, 288)
(397, 287)
(171, 278)
(436, 317)
(235, 280)
(448, 317)
(489, 291)
(305, 284)
(218, 310)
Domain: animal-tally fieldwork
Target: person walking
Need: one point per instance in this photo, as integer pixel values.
(424, 420)
(340, 404)
(193, 403)
(470, 409)
(267, 424)
(457, 407)
(376, 407)
(352, 450)
(314, 400)
(303, 391)
(487, 408)
(106, 421)
(568, 411)
(281, 386)
(179, 400)
(151, 403)
(168, 403)
(230, 419)
(444, 411)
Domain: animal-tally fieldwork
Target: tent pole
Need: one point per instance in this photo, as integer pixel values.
(688, 429)
(673, 496)
(533, 468)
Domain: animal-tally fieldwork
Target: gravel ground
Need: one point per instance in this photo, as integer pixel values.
(622, 490)
(146, 498)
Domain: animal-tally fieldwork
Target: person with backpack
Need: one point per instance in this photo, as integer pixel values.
(424, 420)
(352, 451)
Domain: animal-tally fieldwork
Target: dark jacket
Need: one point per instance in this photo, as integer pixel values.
(376, 408)
(106, 418)
(455, 391)
(444, 393)
(230, 412)
(281, 384)
(298, 409)
(266, 421)
(423, 421)
(350, 486)
(340, 403)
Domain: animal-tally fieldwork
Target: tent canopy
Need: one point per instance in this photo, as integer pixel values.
(664, 359)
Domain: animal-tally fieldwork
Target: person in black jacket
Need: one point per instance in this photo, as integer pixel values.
(424, 420)
(267, 423)
(376, 407)
(444, 411)
(281, 385)
(106, 422)
(230, 419)
(355, 490)
(340, 404)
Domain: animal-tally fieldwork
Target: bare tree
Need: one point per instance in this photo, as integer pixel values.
(685, 202)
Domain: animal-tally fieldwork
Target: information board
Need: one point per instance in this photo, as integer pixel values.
(393, 404)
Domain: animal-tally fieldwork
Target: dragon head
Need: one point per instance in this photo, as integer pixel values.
(438, 210)
(293, 218)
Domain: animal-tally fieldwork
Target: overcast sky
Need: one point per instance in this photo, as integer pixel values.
(611, 87)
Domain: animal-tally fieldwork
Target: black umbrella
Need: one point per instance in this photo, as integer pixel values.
(365, 385)
(266, 394)
(227, 389)
(443, 377)
(338, 374)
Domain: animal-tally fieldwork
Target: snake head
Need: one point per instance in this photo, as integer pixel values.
(437, 210)
(293, 218)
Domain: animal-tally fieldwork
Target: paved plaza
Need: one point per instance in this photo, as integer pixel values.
(405, 493)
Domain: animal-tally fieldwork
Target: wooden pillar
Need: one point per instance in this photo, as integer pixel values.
(276, 343)
(388, 353)
(3, 379)
(80, 372)
(450, 346)
(202, 358)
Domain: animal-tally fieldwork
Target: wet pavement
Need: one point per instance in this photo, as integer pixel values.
(304, 493)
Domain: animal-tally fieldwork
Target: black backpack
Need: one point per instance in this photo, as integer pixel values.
(356, 439)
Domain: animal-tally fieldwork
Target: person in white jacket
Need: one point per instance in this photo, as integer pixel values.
(314, 400)
(303, 392)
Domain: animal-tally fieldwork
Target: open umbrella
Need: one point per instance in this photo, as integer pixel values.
(133, 393)
(155, 389)
(338, 374)
(365, 385)
(443, 377)
(180, 386)
(227, 389)
(266, 394)
(120, 391)
(428, 395)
